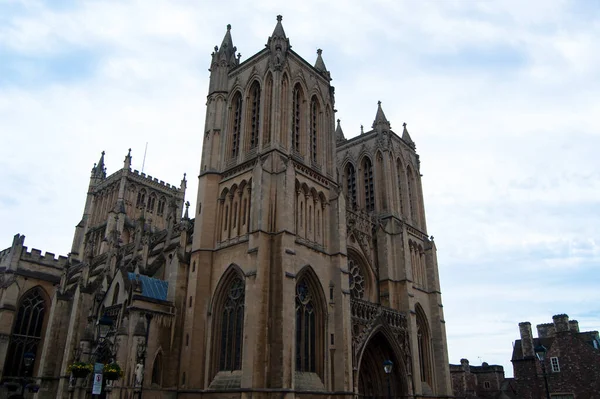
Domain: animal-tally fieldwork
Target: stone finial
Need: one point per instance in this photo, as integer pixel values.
(228, 26)
(279, 18)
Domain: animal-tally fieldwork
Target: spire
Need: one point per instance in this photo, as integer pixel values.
(339, 134)
(186, 216)
(406, 137)
(278, 31)
(99, 171)
(127, 161)
(380, 119)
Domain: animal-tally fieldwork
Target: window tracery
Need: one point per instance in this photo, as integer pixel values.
(357, 280)
(231, 326)
(306, 329)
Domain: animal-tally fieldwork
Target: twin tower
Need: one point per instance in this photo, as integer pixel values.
(311, 266)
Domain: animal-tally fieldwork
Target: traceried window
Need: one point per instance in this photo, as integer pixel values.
(236, 125)
(554, 364)
(232, 326)
(254, 114)
(297, 99)
(314, 115)
(27, 332)
(151, 202)
(306, 328)
(423, 346)
(351, 184)
(141, 199)
(368, 185)
(161, 206)
(357, 280)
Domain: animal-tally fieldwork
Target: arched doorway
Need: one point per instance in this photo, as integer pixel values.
(372, 379)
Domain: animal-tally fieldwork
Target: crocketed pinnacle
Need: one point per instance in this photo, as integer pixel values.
(320, 65)
(380, 119)
(339, 134)
(278, 31)
(99, 171)
(227, 50)
(406, 137)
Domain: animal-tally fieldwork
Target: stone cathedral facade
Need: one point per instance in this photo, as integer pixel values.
(306, 265)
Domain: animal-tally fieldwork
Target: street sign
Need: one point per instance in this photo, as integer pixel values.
(97, 387)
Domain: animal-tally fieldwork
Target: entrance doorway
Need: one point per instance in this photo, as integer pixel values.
(372, 379)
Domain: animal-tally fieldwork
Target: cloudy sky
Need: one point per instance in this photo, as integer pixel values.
(501, 98)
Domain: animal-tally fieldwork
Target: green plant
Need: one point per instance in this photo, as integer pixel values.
(80, 368)
(112, 371)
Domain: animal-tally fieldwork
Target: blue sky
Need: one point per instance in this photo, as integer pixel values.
(500, 97)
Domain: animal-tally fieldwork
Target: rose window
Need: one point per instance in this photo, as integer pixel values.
(357, 280)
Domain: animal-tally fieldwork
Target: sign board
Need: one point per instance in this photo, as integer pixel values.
(97, 387)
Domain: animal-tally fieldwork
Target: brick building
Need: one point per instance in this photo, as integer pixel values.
(306, 265)
(485, 381)
(572, 361)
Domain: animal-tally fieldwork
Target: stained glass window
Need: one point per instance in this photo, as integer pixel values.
(306, 329)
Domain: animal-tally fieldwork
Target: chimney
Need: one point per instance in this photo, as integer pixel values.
(561, 322)
(546, 330)
(526, 339)
(574, 326)
(465, 364)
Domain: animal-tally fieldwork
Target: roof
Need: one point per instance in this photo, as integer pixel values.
(153, 288)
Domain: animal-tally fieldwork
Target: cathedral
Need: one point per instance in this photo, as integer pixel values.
(305, 270)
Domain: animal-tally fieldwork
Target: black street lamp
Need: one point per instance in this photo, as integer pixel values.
(540, 352)
(387, 367)
(103, 326)
(28, 360)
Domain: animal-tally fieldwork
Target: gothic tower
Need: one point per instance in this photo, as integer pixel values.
(267, 310)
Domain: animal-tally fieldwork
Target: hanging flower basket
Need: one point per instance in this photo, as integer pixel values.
(112, 371)
(80, 369)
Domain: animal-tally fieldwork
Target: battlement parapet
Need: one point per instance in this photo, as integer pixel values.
(48, 259)
(154, 181)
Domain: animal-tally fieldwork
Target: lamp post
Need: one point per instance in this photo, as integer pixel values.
(540, 352)
(28, 359)
(103, 326)
(387, 367)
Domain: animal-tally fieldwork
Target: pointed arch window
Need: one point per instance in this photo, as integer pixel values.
(268, 104)
(412, 200)
(157, 369)
(236, 125)
(254, 114)
(368, 185)
(314, 121)
(357, 280)
(424, 347)
(306, 328)
(230, 325)
(27, 332)
(351, 184)
(297, 100)
(400, 174)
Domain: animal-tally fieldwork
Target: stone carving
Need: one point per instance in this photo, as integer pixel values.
(139, 374)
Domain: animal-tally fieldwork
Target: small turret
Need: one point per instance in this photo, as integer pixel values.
(339, 134)
(406, 137)
(99, 170)
(380, 123)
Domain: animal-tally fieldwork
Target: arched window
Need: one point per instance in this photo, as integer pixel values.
(424, 346)
(314, 122)
(412, 199)
(151, 202)
(161, 206)
(297, 100)
(309, 326)
(236, 124)
(157, 369)
(115, 297)
(254, 114)
(351, 184)
(368, 185)
(229, 323)
(141, 198)
(27, 332)
(268, 104)
(400, 175)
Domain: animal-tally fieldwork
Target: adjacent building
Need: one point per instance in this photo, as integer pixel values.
(306, 265)
(571, 366)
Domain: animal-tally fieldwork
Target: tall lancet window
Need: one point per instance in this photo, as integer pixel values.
(368, 185)
(297, 100)
(306, 328)
(27, 332)
(230, 311)
(254, 114)
(351, 184)
(314, 122)
(236, 125)
(400, 174)
(268, 104)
